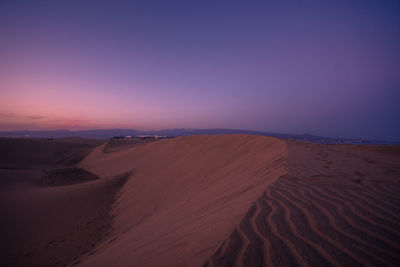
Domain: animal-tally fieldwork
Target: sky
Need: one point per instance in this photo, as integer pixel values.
(329, 68)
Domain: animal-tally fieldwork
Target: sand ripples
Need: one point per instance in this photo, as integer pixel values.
(326, 221)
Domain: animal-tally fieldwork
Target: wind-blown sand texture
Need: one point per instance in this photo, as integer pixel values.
(227, 200)
(184, 196)
(337, 206)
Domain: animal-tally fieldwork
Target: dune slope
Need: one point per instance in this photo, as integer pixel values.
(337, 206)
(52, 213)
(184, 197)
(227, 200)
(55, 226)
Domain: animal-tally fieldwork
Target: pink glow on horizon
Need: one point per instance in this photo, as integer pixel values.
(39, 105)
(322, 68)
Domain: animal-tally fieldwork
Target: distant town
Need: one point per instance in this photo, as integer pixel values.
(168, 133)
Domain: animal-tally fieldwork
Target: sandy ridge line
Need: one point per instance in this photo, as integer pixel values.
(356, 215)
(266, 245)
(237, 165)
(357, 208)
(294, 229)
(384, 212)
(334, 223)
(313, 227)
(289, 231)
(287, 242)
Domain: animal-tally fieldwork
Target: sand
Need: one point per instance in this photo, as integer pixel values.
(336, 206)
(184, 196)
(52, 212)
(226, 200)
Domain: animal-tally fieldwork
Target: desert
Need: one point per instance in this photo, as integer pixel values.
(212, 200)
(199, 133)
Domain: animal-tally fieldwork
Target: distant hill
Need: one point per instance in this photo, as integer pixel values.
(106, 133)
(109, 133)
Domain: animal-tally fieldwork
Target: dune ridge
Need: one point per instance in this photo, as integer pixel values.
(227, 200)
(52, 211)
(334, 207)
(184, 197)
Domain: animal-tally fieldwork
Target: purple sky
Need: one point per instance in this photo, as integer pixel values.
(298, 67)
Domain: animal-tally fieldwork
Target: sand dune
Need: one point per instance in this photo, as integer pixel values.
(54, 226)
(52, 213)
(227, 200)
(337, 206)
(185, 196)
(39, 153)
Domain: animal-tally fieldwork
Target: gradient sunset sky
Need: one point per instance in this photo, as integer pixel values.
(328, 68)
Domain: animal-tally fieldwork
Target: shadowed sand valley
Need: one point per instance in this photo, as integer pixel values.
(52, 212)
(223, 200)
(199, 133)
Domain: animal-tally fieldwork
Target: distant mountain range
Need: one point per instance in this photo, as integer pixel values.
(109, 133)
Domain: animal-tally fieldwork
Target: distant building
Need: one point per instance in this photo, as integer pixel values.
(150, 136)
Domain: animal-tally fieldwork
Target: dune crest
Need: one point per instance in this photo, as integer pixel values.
(336, 206)
(185, 196)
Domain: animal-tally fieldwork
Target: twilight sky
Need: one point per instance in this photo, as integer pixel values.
(330, 69)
